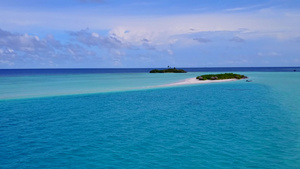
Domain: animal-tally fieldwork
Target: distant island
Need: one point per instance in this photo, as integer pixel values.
(221, 76)
(169, 70)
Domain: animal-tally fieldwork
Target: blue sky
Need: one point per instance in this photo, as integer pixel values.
(144, 33)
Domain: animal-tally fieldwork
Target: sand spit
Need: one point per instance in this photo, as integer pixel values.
(196, 81)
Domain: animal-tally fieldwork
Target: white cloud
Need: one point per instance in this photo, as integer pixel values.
(6, 62)
(10, 50)
(96, 35)
(296, 61)
(94, 39)
(120, 38)
(170, 52)
(29, 48)
(245, 8)
(202, 40)
(269, 21)
(269, 54)
(237, 39)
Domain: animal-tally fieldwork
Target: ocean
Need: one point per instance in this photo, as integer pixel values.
(124, 118)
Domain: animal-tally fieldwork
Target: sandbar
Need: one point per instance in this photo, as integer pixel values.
(196, 81)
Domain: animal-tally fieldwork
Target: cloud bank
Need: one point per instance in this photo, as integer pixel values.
(120, 36)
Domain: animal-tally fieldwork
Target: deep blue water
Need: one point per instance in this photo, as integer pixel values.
(223, 125)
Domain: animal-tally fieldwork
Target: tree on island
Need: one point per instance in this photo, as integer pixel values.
(221, 76)
(169, 70)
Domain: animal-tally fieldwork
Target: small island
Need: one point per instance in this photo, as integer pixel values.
(221, 76)
(169, 70)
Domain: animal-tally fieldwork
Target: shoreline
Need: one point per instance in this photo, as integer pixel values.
(196, 81)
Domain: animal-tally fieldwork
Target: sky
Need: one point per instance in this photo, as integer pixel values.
(149, 33)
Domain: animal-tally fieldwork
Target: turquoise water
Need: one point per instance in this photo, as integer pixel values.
(85, 122)
(14, 87)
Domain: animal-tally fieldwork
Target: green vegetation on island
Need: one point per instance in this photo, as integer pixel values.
(221, 76)
(170, 70)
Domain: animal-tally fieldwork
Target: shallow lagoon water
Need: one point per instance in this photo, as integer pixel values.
(222, 125)
(53, 85)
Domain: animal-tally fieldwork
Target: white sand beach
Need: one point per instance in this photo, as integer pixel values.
(196, 81)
